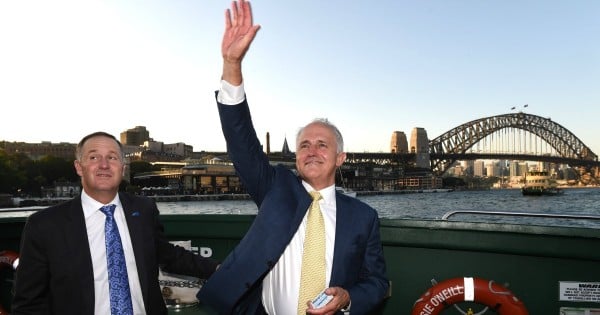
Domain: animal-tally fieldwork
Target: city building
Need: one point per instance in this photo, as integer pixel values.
(36, 151)
(135, 136)
(478, 168)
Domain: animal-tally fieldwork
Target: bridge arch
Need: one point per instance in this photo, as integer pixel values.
(461, 138)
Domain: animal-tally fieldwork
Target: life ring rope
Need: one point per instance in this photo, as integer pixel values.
(8, 258)
(497, 292)
(469, 289)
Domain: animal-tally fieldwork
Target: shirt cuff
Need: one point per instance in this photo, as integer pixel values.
(346, 310)
(231, 94)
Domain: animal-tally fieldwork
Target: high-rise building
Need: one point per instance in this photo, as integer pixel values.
(514, 169)
(493, 168)
(468, 166)
(399, 144)
(135, 136)
(479, 168)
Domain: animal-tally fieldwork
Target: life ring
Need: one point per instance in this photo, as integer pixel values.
(8, 258)
(456, 290)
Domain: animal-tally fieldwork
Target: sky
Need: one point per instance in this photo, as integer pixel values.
(70, 68)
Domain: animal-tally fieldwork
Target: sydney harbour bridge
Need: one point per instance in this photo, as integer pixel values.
(510, 137)
(514, 136)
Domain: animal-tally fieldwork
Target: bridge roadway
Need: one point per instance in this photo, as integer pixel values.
(385, 158)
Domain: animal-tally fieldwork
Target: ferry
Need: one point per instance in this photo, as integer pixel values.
(435, 266)
(539, 183)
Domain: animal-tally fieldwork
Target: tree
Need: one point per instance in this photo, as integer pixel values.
(12, 178)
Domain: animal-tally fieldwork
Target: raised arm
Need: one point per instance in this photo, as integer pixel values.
(239, 34)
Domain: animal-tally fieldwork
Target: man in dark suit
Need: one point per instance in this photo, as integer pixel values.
(262, 274)
(63, 264)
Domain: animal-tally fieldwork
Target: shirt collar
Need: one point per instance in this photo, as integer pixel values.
(90, 205)
(328, 193)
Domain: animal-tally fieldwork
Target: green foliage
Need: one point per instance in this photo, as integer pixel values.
(11, 176)
(22, 176)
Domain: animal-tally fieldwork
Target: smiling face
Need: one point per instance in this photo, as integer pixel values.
(317, 155)
(100, 165)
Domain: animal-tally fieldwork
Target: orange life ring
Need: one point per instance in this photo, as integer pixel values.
(8, 258)
(456, 290)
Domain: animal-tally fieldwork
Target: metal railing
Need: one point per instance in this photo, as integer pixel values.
(448, 214)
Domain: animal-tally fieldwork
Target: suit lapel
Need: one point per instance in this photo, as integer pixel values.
(76, 240)
(343, 228)
(133, 216)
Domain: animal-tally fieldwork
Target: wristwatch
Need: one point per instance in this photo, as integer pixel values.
(346, 309)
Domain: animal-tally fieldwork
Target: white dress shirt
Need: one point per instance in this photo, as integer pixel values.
(94, 222)
(281, 286)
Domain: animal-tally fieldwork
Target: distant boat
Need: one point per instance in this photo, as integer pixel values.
(346, 192)
(539, 183)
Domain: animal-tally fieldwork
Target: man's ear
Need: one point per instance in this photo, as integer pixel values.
(78, 169)
(341, 158)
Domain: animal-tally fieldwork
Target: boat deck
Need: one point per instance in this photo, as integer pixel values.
(547, 268)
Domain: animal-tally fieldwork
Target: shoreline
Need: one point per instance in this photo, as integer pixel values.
(35, 202)
(44, 202)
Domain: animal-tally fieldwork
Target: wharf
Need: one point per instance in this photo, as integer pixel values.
(405, 191)
(215, 197)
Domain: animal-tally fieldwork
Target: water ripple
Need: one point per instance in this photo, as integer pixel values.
(585, 201)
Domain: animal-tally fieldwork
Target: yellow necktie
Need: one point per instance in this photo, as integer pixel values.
(312, 277)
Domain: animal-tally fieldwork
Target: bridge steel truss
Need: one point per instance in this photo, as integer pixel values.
(445, 149)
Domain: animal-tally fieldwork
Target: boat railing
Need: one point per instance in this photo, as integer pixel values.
(448, 214)
(22, 209)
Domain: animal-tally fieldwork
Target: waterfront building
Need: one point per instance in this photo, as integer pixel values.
(62, 189)
(179, 148)
(36, 151)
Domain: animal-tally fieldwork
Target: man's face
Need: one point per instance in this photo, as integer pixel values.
(317, 157)
(100, 167)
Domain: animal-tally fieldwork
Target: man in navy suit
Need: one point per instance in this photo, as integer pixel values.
(262, 274)
(63, 267)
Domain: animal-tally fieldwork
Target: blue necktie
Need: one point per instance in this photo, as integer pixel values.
(120, 296)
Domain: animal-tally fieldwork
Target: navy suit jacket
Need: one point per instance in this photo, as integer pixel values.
(55, 273)
(358, 262)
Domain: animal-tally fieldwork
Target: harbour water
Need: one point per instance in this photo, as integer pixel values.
(575, 201)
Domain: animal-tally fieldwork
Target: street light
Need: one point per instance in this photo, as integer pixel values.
(515, 107)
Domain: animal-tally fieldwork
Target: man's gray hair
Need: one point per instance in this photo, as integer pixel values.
(325, 122)
(78, 149)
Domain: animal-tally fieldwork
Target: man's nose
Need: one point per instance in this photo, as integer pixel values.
(104, 162)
